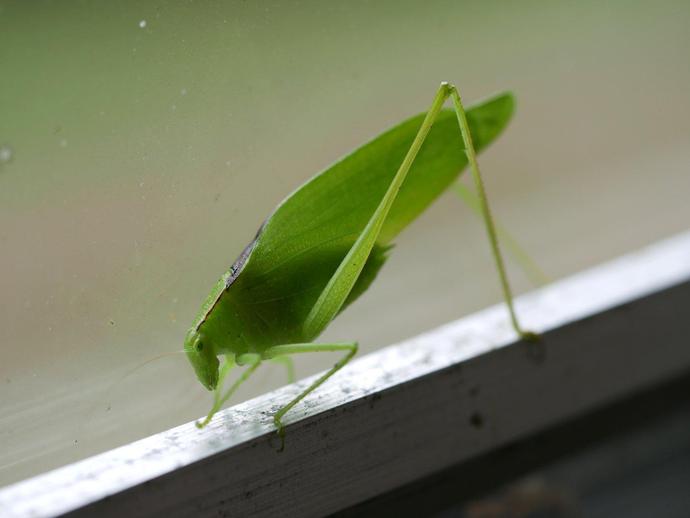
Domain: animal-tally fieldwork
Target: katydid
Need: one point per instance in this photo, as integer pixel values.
(324, 244)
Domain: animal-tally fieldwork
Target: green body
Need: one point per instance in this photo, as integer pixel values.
(324, 245)
(264, 299)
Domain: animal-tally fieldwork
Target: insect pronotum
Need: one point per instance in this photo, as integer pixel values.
(324, 244)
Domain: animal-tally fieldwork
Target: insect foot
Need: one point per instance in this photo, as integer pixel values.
(280, 431)
(529, 336)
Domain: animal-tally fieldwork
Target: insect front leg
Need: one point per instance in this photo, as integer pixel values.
(283, 350)
(222, 374)
(252, 361)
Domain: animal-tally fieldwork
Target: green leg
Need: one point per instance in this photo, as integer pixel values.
(289, 366)
(253, 361)
(222, 374)
(340, 284)
(281, 350)
(486, 213)
(528, 265)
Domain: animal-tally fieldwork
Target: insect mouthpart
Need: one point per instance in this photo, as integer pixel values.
(203, 359)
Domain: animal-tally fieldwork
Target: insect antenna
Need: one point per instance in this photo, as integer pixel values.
(127, 374)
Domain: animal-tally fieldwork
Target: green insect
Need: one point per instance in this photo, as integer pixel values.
(325, 243)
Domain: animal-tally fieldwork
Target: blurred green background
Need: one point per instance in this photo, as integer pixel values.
(149, 140)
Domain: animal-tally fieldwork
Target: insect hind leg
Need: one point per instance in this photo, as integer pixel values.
(486, 214)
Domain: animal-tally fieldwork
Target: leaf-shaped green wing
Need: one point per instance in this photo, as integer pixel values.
(302, 243)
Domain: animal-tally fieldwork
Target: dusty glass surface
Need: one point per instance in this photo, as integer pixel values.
(142, 144)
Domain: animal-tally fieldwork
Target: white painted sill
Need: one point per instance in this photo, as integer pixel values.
(402, 413)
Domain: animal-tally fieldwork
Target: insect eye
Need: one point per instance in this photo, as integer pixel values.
(199, 347)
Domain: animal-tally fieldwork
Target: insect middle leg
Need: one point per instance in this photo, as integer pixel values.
(281, 350)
